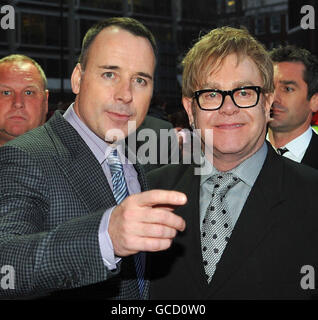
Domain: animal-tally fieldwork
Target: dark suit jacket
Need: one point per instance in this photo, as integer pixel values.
(172, 146)
(53, 193)
(311, 155)
(275, 235)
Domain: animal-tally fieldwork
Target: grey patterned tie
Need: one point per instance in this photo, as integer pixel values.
(217, 226)
(120, 192)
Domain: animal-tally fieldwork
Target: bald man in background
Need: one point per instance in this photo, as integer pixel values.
(23, 96)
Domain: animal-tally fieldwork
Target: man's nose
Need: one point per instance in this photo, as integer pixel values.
(18, 101)
(124, 91)
(228, 106)
(277, 97)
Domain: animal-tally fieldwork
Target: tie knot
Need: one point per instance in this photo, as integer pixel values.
(224, 182)
(281, 151)
(114, 162)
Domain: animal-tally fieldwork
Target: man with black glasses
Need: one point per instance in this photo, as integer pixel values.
(251, 222)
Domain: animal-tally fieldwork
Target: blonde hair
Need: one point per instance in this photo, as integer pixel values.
(213, 47)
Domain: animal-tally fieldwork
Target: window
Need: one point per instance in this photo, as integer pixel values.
(219, 6)
(260, 25)
(275, 23)
(230, 6)
(54, 68)
(53, 31)
(152, 7)
(243, 22)
(43, 30)
(162, 33)
(32, 29)
(188, 36)
(84, 26)
(102, 4)
(3, 36)
(192, 10)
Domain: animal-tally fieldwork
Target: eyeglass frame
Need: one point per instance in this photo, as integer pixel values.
(224, 93)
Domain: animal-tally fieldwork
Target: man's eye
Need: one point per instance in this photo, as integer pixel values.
(28, 92)
(212, 94)
(6, 93)
(109, 75)
(141, 81)
(209, 95)
(289, 89)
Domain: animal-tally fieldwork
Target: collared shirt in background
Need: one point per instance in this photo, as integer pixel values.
(297, 147)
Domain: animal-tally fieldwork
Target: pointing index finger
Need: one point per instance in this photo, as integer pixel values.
(157, 197)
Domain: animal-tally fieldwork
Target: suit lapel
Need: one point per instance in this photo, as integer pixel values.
(141, 176)
(73, 158)
(190, 238)
(311, 155)
(256, 218)
(144, 187)
(91, 186)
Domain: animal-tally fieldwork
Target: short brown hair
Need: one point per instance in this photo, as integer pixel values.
(128, 24)
(213, 47)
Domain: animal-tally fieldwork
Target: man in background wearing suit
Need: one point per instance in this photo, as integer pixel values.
(251, 223)
(63, 221)
(295, 101)
(23, 96)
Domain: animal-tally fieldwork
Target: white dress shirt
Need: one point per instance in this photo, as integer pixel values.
(297, 147)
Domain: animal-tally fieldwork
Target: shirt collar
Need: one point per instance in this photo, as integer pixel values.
(247, 171)
(98, 146)
(299, 145)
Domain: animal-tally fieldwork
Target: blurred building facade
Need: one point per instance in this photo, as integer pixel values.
(51, 32)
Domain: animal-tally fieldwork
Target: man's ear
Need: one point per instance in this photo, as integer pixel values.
(269, 98)
(313, 102)
(46, 101)
(76, 78)
(187, 104)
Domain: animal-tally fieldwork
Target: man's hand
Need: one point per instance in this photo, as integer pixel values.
(145, 222)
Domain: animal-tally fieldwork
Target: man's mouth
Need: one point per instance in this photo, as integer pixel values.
(277, 110)
(17, 118)
(229, 126)
(119, 116)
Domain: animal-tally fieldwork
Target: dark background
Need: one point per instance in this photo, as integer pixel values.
(51, 32)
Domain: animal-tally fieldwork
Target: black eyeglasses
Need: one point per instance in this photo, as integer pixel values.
(213, 99)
